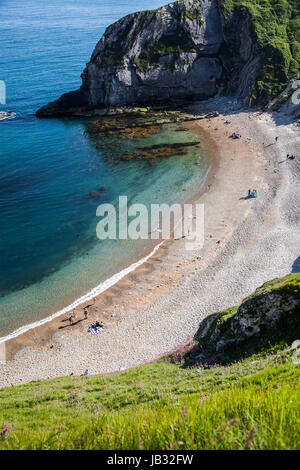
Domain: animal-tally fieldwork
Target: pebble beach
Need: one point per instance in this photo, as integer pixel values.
(161, 304)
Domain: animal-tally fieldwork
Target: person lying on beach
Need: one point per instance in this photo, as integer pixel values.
(252, 194)
(236, 136)
(96, 325)
(96, 328)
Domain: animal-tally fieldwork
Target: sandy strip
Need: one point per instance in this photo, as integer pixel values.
(161, 303)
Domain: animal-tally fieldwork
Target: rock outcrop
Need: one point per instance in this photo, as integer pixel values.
(272, 311)
(289, 100)
(187, 50)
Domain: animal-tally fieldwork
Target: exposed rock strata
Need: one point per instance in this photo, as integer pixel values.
(187, 50)
(271, 310)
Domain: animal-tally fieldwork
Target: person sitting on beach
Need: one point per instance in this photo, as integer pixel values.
(99, 324)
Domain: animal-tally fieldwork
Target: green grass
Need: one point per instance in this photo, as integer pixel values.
(289, 284)
(276, 25)
(252, 403)
(251, 400)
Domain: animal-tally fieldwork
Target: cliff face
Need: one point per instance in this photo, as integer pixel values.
(272, 311)
(184, 50)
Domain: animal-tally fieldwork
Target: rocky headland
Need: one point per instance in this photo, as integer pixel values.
(189, 50)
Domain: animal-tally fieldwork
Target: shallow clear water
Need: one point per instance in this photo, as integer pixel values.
(49, 251)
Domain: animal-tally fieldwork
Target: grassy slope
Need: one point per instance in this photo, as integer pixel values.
(277, 28)
(252, 402)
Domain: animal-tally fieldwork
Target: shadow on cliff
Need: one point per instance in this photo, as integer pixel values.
(228, 105)
(268, 342)
(296, 266)
(283, 119)
(266, 322)
(199, 354)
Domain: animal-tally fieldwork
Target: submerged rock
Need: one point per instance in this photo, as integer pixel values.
(96, 194)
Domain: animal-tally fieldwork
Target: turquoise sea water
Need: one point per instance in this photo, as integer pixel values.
(49, 251)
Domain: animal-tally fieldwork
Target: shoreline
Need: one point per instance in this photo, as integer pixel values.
(117, 277)
(81, 300)
(162, 302)
(7, 115)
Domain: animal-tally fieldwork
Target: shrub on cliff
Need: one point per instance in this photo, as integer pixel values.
(276, 26)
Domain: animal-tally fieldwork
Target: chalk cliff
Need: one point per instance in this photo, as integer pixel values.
(187, 50)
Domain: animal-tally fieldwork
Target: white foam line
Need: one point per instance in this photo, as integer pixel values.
(85, 298)
(6, 116)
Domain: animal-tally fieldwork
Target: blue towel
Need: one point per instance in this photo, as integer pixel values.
(94, 331)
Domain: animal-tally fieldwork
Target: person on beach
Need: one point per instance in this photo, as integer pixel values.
(71, 318)
(252, 194)
(86, 313)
